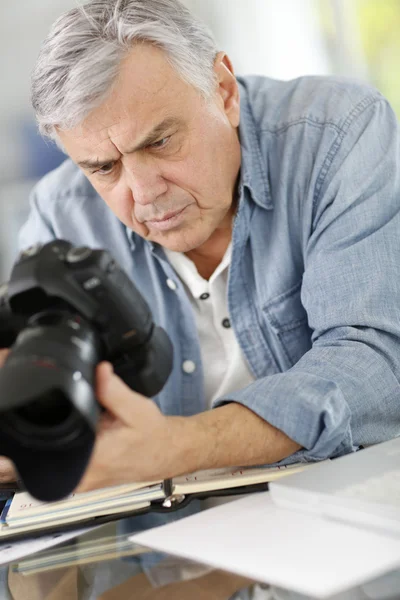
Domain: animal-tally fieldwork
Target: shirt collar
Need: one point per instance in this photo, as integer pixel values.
(253, 173)
(134, 239)
(253, 168)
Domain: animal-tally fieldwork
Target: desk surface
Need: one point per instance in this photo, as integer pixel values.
(103, 565)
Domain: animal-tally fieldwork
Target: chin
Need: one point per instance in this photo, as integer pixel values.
(178, 242)
(176, 246)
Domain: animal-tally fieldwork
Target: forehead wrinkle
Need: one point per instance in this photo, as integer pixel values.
(98, 154)
(92, 137)
(97, 122)
(123, 129)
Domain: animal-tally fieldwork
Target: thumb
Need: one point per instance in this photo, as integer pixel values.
(114, 395)
(3, 355)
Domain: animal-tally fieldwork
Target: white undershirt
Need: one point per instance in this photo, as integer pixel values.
(224, 366)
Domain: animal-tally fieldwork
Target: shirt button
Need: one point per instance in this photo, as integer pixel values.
(189, 366)
(204, 296)
(171, 284)
(226, 323)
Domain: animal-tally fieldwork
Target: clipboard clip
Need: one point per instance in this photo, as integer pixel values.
(173, 500)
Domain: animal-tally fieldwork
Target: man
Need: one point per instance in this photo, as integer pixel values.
(188, 175)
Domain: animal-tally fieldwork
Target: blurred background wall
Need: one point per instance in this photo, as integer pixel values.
(277, 38)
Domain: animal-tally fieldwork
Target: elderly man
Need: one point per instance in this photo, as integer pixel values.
(259, 219)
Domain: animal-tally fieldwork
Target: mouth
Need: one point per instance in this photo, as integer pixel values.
(168, 221)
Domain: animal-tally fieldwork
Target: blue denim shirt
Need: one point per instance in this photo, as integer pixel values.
(314, 283)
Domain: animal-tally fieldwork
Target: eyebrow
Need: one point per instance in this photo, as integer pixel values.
(150, 138)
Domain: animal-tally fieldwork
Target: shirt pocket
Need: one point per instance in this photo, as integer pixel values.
(287, 319)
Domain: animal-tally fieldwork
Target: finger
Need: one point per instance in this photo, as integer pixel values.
(104, 372)
(85, 485)
(3, 355)
(7, 470)
(116, 397)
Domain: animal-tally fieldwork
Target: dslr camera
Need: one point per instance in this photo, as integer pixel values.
(63, 311)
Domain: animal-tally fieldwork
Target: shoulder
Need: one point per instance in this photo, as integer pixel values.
(323, 101)
(68, 205)
(64, 182)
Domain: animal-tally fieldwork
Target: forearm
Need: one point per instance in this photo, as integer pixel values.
(230, 435)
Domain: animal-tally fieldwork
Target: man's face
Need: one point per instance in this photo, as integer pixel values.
(163, 159)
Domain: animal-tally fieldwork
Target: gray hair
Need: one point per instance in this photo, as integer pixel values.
(80, 59)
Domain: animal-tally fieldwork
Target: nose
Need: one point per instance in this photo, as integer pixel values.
(145, 182)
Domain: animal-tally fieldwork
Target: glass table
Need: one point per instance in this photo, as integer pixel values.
(103, 565)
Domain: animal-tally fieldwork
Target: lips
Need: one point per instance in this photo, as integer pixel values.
(166, 217)
(169, 221)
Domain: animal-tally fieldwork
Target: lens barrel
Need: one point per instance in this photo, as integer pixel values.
(51, 412)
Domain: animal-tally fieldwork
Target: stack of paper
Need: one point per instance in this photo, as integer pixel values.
(24, 513)
(300, 552)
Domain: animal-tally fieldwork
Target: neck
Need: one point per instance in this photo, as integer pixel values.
(210, 254)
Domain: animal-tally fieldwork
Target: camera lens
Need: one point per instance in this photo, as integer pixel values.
(50, 410)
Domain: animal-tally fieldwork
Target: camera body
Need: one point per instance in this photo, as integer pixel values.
(63, 311)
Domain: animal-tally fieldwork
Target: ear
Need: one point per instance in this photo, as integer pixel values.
(228, 90)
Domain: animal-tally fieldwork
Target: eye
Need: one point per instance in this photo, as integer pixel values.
(105, 169)
(161, 143)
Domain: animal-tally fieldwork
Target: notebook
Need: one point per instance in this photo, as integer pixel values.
(24, 515)
(362, 488)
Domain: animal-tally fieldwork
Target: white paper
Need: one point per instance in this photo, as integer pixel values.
(11, 551)
(299, 552)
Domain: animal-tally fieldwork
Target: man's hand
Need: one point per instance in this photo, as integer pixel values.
(136, 442)
(133, 437)
(7, 470)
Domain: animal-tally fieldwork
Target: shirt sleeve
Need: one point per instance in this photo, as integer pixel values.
(344, 392)
(37, 229)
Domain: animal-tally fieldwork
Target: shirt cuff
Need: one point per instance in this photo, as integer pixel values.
(308, 409)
